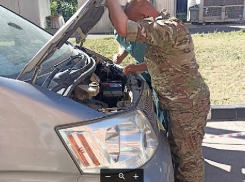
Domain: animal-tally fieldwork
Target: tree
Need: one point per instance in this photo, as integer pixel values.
(64, 7)
(73, 2)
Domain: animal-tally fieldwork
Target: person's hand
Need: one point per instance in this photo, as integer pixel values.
(131, 69)
(117, 59)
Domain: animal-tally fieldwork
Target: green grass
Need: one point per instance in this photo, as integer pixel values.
(221, 57)
(106, 47)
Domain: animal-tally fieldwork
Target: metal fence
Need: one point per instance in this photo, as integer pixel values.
(219, 11)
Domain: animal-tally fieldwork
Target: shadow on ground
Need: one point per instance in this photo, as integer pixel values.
(233, 160)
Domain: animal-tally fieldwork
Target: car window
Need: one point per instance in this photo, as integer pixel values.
(20, 40)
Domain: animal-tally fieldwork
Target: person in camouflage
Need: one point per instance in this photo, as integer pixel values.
(137, 51)
(172, 65)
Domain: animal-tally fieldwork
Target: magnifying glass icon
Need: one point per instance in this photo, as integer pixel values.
(121, 175)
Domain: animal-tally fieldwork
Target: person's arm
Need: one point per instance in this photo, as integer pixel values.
(118, 58)
(142, 67)
(150, 33)
(123, 55)
(135, 69)
(118, 17)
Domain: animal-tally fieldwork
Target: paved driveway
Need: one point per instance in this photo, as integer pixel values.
(225, 27)
(224, 156)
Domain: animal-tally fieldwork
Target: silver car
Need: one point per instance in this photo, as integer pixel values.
(67, 112)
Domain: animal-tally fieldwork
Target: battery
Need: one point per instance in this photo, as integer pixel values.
(112, 89)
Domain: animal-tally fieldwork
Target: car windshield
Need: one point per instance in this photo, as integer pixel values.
(20, 40)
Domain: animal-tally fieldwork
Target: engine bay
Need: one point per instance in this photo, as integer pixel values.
(105, 91)
(94, 81)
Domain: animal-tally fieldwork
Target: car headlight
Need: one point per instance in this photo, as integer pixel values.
(119, 142)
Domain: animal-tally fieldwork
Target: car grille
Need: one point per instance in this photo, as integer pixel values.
(146, 104)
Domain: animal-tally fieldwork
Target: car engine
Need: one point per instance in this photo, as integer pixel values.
(96, 82)
(106, 91)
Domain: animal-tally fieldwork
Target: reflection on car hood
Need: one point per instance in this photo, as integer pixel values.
(80, 24)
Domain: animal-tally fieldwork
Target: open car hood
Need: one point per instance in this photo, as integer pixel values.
(79, 24)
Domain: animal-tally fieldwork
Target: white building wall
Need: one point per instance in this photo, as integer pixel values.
(30, 10)
(34, 10)
(44, 11)
(11, 4)
(169, 5)
(104, 25)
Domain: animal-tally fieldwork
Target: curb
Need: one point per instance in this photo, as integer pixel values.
(227, 112)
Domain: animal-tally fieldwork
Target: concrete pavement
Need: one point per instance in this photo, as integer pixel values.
(217, 27)
(224, 156)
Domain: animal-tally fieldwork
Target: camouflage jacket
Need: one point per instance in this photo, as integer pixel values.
(171, 61)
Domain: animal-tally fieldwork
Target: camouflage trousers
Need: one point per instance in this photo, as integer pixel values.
(186, 131)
